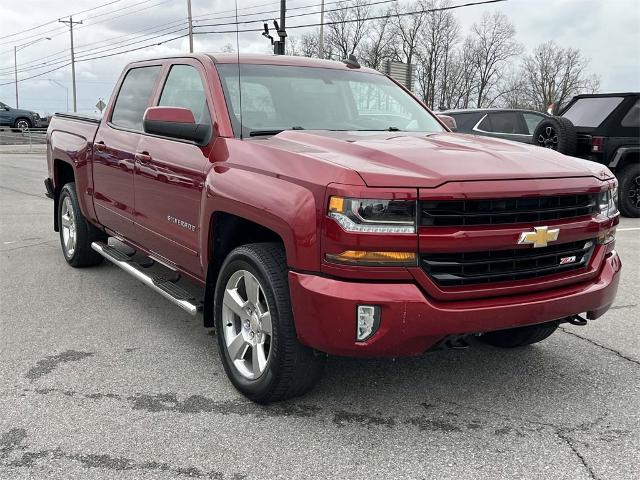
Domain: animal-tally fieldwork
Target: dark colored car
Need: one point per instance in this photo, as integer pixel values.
(516, 125)
(18, 118)
(327, 213)
(603, 128)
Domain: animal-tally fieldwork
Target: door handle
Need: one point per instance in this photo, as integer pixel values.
(143, 157)
(100, 146)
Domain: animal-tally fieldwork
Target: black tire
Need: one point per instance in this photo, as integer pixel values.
(556, 133)
(291, 369)
(519, 337)
(629, 190)
(82, 254)
(18, 121)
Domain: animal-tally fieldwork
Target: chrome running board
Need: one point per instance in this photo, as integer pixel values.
(165, 287)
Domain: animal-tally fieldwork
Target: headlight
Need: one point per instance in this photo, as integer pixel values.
(608, 202)
(35, 115)
(374, 216)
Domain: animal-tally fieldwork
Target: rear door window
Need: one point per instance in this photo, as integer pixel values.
(134, 97)
(592, 111)
(502, 122)
(632, 118)
(532, 120)
(184, 89)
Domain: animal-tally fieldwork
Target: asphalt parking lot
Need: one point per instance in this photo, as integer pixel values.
(102, 378)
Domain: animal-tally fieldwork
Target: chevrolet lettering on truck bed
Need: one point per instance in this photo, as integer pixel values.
(321, 209)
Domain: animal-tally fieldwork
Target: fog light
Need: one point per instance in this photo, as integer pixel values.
(368, 321)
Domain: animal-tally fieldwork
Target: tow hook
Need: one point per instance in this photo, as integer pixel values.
(577, 320)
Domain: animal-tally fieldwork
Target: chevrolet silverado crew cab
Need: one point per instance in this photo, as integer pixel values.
(318, 208)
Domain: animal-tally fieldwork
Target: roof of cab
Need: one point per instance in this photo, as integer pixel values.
(256, 59)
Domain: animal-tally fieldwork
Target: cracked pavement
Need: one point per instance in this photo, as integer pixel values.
(102, 378)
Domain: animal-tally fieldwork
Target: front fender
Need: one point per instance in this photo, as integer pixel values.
(290, 210)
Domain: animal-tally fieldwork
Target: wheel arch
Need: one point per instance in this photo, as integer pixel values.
(226, 232)
(625, 156)
(63, 173)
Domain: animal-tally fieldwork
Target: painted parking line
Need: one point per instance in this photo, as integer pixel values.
(629, 229)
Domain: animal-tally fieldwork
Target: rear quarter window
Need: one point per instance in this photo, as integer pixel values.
(632, 118)
(591, 112)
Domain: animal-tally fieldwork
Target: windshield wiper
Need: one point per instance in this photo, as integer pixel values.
(259, 133)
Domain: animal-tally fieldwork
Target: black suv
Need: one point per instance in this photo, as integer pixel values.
(604, 128)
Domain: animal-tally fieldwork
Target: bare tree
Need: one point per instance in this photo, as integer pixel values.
(553, 74)
(378, 45)
(228, 48)
(436, 40)
(460, 87)
(309, 44)
(346, 27)
(408, 28)
(291, 46)
(493, 42)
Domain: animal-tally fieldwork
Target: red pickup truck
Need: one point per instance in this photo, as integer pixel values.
(322, 209)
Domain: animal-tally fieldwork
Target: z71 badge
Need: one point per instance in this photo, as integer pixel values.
(566, 260)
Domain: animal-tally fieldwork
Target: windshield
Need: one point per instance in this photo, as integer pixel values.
(276, 98)
(591, 111)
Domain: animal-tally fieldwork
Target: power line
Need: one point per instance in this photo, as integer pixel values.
(97, 58)
(52, 61)
(56, 31)
(452, 7)
(377, 17)
(54, 21)
(101, 50)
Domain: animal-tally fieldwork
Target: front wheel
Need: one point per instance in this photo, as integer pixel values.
(257, 340)
(519, 337)
(629, 191)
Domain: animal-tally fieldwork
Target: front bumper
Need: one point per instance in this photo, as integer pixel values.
(325, 312)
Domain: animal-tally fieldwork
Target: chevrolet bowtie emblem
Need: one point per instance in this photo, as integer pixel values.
(540, 237)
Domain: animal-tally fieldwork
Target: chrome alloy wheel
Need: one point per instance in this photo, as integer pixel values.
(548, 138)
(246, 324)
(68, 221)
(22, 124)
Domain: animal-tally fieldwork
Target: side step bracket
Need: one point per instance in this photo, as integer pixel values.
(165, 287)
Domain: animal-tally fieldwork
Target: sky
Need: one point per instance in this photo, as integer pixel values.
(607, 32)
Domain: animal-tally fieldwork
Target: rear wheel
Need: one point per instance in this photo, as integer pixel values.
(629, 191)
(76, 234)
(519, 337)
(556, 133)
(256, 335)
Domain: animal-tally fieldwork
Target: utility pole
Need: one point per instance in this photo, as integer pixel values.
(321, 40)
(278, 46)
(190, 26)
(70, 22)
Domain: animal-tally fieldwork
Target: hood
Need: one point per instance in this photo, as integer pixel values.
(402, 159)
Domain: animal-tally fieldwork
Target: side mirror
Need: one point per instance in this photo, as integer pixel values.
(175, 122)
(450, 122)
